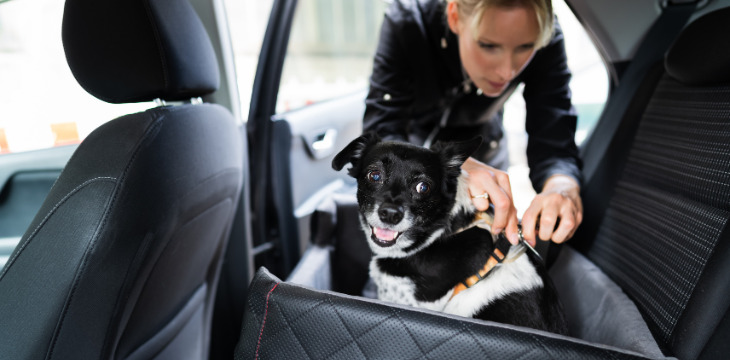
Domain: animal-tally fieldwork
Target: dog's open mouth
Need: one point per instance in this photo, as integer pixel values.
(383, 237)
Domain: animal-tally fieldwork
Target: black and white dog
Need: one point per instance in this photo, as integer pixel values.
(415, 207)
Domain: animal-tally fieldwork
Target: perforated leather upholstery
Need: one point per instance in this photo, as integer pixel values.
(286, 321)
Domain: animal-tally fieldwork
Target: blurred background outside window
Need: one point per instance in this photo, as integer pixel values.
(36, 85)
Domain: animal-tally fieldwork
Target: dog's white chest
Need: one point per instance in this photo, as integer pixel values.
(511, 277)
(402, 290)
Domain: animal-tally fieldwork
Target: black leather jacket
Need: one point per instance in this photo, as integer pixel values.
(417, 76)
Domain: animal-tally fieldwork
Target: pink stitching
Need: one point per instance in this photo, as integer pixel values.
(263, 322)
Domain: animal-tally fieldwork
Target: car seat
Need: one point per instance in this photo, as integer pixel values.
(123, 257)
(651, 279)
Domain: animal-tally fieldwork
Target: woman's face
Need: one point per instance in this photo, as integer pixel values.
(503, 45)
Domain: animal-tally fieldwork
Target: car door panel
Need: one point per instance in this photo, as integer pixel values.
(318, 132)
(25, 179)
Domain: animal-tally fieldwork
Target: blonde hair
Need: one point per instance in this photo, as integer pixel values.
(543, 9)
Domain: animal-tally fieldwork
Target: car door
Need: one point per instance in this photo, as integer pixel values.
(25, 179)
(307, 103)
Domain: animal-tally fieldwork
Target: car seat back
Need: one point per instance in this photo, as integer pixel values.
(123, 257)
(664, 235)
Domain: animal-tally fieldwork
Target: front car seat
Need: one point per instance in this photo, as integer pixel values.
(123, 257)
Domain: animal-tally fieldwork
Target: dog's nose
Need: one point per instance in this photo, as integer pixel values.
(391, 214)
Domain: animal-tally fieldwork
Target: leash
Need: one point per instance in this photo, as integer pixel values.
(498, 256)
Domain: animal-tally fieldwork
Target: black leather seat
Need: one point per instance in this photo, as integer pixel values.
(659, 281)
(123, 257)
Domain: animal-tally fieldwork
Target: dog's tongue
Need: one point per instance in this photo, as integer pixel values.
(385, 234)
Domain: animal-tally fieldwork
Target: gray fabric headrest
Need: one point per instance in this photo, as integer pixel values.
(138, 50)
(701, 53)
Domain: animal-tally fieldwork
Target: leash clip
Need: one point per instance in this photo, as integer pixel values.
(526, 244)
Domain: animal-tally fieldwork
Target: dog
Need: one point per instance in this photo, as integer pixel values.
(415, 208)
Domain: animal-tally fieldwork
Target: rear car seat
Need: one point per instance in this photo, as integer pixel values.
(652, 280)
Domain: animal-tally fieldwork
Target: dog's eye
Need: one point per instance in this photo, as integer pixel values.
(374, 176)
(422, 188)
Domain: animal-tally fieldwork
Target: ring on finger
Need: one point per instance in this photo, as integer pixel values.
(484, 196)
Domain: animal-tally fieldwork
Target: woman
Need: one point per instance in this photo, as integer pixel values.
(443, 70)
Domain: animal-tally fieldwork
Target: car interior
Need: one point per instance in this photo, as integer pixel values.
(191, 230)
(643, 277)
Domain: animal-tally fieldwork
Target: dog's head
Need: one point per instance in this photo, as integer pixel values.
(406, 193)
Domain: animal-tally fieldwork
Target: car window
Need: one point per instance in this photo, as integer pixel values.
(332, 44)
(590, 83)
(589, 86)
(330, 50)
(41, 104)
(247, 22)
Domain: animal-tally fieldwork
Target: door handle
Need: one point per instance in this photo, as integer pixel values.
(325, 140)
(322, 143)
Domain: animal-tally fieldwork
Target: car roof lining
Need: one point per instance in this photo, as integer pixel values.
(614, 25)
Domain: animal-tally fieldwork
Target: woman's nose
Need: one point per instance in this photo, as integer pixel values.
(505, 70)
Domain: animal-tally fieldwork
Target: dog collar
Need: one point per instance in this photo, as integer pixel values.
(484, 220)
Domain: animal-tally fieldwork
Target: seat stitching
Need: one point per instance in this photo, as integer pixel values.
(288, 325)
(537, 340)
(462, 331)
(263, 321)
(344, 323)
(373, 327)
(319, 303)
(408, 331)
(251, 306)
(473, 336)
(542, 346)
(45, 219)
(152, 128)
(392, 315)
(79, 272)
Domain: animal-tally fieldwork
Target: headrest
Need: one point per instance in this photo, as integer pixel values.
(138, 50)
(701, 53)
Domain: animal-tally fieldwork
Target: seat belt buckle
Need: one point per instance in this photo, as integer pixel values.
(526, 244)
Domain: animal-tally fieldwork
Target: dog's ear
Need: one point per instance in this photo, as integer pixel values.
(354, 150)
(455, 153)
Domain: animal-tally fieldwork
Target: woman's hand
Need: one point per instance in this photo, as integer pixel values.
(557, 210)
(495, 183)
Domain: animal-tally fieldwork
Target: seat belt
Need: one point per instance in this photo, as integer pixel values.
(656, 42)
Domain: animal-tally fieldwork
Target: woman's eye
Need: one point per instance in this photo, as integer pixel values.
(374, 176)
(423, 188)
(487, 46)
(526, 47)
